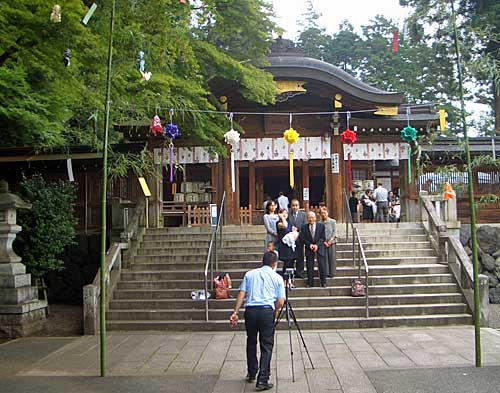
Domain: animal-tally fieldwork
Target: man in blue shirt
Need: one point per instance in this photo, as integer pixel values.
(264, 291)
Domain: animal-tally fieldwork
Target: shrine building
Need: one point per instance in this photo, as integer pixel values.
(305, 86)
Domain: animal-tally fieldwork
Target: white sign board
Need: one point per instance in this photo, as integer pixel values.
(306, 194)
(335, 163)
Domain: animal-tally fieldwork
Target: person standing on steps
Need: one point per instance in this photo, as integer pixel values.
(283, 201)
(330, 243)
(298, 218)
(381, 198)
(353, 207)
(287, 252)
(264, 291)
(313, 235)
(270, 220)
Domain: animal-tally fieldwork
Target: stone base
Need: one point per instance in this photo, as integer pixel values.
(22, 325)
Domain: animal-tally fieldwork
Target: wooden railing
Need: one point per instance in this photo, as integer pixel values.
(246, 215)
(113, 263)
(198, 216)
(450, 251)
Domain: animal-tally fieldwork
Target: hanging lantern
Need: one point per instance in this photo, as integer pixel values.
(349, 137)
(55, 16)
(291, 137)
(232, 137)
(156, 128)
(171, 131)
(409, 134)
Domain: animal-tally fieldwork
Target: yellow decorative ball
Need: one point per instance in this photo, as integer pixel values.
(291, 136)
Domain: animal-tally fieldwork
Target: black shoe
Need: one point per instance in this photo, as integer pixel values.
(249, 378)
(323, 285)
(263, 386)
(298, 275)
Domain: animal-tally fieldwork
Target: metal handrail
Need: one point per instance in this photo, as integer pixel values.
(213, 243)
(361, 251)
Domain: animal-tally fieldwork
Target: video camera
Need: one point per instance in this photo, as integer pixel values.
(288, 277)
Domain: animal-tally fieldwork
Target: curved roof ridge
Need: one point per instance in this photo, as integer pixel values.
(328, 73)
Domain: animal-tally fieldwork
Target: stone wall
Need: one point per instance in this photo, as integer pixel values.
(488, 238)
(81, 262)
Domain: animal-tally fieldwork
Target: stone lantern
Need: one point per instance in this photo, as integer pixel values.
(21, 313)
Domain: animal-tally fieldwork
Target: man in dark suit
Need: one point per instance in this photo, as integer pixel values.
(313, 235)
(298, 218)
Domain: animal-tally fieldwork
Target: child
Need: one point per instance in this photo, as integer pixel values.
(271, 248)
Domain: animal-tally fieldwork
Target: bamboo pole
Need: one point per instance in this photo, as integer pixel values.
(102, 304)
(477, 307)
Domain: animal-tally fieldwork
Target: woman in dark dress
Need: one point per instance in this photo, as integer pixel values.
(285, 252)
(366, 202)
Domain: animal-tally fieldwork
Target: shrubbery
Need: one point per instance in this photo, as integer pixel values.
(48, 227)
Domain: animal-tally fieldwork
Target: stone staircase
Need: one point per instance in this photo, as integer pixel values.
(407, 285)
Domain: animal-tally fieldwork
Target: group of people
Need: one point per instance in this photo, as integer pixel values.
(293, 234)
(379, 205)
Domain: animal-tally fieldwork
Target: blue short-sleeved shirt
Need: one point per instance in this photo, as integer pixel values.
(262, 287)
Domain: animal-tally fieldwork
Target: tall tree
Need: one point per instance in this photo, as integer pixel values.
(479, 27)
(45, 103)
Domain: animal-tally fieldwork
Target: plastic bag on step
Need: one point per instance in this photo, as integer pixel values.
(199, 295)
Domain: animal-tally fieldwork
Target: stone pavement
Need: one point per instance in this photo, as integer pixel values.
(345, 361)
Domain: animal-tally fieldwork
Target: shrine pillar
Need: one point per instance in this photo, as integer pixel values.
(336, 177)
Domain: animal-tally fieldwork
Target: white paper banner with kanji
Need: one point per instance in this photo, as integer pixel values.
(377, 151)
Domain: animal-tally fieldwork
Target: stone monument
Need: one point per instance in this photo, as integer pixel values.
(21, 313)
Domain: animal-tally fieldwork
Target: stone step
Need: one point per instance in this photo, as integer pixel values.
(300, 312)
(389, 231)
(170, 290)
(227, 253)
(201, 260)
(295, 298)
(380, 238)
(236, 276)
(385, 225)
(307, 324)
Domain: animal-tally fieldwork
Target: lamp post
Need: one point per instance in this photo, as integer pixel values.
(477, 307)
(103, 270)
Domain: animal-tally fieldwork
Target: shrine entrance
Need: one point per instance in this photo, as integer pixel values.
(257, 180)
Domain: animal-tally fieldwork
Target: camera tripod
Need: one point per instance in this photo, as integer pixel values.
(287, 311)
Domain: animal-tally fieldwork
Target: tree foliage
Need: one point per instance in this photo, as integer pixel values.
(43, 103)
(48, 227)
(479, 30)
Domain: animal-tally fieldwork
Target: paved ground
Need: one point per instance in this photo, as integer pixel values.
(382, 360)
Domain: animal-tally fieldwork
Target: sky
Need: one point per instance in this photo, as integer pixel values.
(358, 12)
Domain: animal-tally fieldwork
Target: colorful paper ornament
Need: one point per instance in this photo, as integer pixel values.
(349, 137)
(291, 137)
(409, 134)
(395, 41)
(171, 132)
(145, 76)
(449, 193)
(55, 16)
(232, 137)
(442, 119)
(67, 57)
(156, 127)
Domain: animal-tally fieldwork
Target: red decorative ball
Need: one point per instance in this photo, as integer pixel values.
(348, 137)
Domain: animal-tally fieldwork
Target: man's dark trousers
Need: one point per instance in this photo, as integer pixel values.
(299, 264)
(259, 320)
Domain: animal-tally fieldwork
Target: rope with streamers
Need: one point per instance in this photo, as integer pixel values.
(232, 137)
(171, 131)
(409, 134)
(348, 137)
(291, 137)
